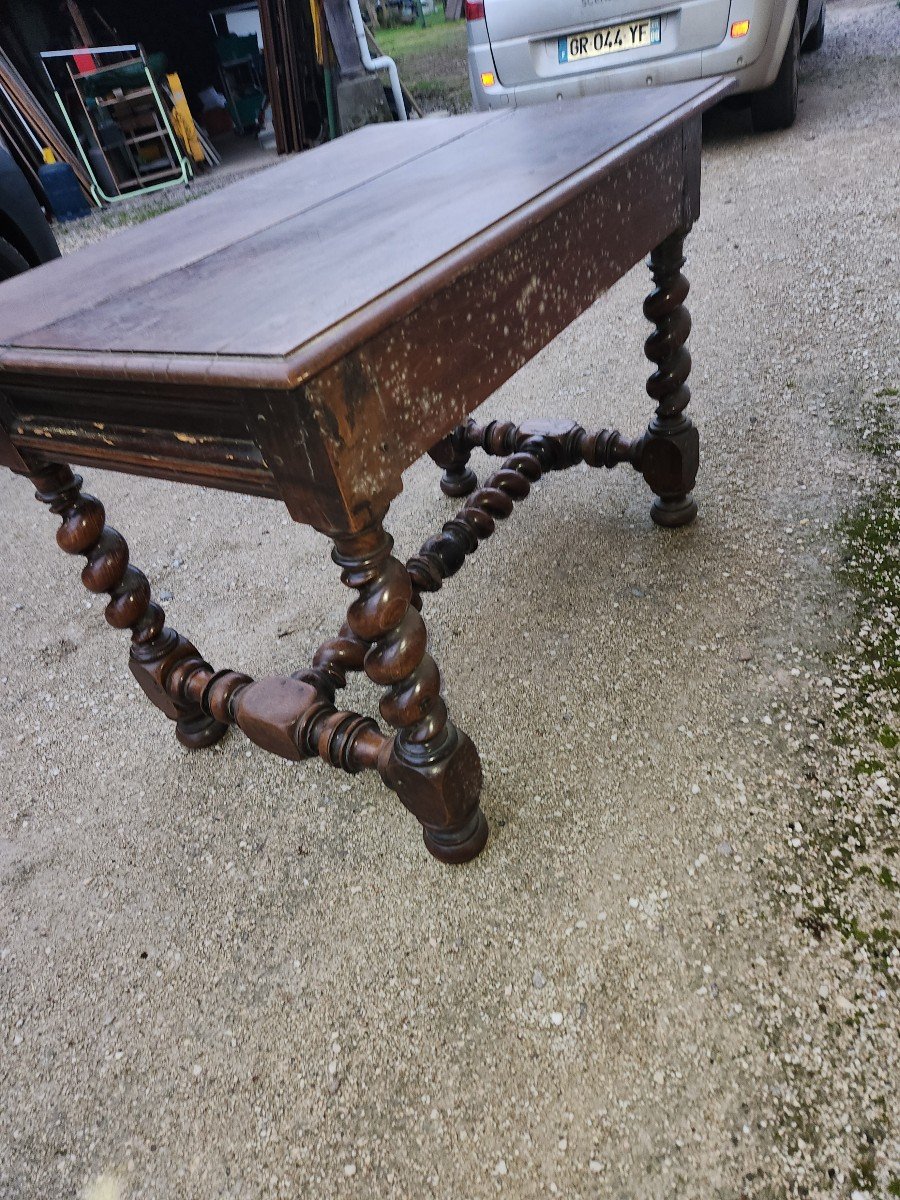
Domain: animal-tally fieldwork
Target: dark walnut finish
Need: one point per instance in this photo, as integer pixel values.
(308, 334)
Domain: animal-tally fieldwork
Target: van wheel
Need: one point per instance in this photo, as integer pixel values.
(816, 36)
(776, 106)
(11, 261)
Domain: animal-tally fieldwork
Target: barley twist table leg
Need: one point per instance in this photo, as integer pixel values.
(432, 766)
(670, 453)
(156, 650)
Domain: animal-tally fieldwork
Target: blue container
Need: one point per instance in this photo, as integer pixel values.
(63, 191)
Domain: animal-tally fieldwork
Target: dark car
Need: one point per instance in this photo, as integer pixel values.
(25, 237)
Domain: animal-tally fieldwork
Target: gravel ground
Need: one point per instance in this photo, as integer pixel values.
(673, 972)
(241, 157)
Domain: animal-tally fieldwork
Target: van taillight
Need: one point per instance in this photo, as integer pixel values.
(474, 10)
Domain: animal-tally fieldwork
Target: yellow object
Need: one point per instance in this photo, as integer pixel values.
(740, 29)
(182, 121)
(487, 79)
(49, 156)
(317, 31)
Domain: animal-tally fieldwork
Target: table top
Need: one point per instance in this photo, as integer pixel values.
(272, 279)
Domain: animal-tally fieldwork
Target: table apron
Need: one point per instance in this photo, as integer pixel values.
(186, 438)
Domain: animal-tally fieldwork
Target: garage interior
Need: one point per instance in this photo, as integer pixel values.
(188, 84)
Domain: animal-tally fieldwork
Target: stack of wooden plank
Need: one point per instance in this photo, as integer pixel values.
(291, 32)
(28, 130)
(284, 85)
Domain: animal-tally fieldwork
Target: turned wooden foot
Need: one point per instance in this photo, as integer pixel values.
(200, 731)
(670, 513)
(453, 454)
(458, 845)
(670, 449)
(432, 766)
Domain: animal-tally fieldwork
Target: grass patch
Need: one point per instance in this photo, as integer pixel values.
(856, 840)
(449, 94)
(404, 42)
(431, 61)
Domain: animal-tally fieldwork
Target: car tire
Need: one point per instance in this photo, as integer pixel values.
(11, 261)
(816, 36)
(776, 106)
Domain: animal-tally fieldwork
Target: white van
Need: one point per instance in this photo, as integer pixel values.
(528, 51)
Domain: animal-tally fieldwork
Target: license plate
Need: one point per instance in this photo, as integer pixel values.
(610, 40)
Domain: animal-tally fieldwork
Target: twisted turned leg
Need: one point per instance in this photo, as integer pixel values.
(670, 453)
(432, 766)
(334, 660)
(156, 650)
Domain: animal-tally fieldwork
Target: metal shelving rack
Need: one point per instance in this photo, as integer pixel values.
(121, 122)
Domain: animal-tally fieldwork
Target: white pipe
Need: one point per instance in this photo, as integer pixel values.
(377, 64)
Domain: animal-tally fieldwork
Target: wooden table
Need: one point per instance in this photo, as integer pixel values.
(306, 335)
